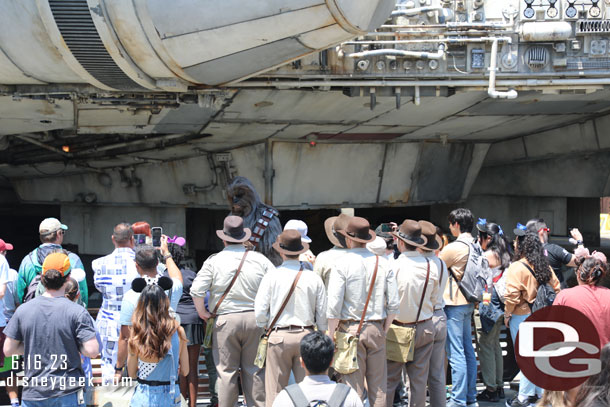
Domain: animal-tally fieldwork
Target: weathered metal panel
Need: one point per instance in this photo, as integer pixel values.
(246, 62)
(240, 132)
(457, 127)
(10, 74)
(567, 139)
(208, 44)
(522, 125)
(323, 37)
(365, 16)
(478, 157)
(27, 115)
(504, 151)
(602, 124)
(328, 174)
(441, 172)
(400, 162)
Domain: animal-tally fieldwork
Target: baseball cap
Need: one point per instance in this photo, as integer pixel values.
(56, 261)
(50, 225)
(5, 246)
(300, 226)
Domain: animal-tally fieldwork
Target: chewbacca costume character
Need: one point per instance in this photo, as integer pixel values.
(263, 220)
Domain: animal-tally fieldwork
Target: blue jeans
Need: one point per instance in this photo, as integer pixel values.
(460, 353)
(70, 400)
(526, 388)
(146, 396)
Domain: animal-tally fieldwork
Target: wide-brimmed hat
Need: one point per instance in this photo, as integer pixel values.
(299, 226)
(335, 224)
(289, 242)
(434, 241)
(410, 232)
(359, 230)
(233, 230)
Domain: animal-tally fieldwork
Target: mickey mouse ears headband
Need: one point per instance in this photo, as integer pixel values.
(180, 241)
(139, 284)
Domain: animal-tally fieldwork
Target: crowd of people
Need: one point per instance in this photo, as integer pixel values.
(373, 320)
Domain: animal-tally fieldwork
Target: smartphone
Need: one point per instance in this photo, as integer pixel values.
(140, 239)
(156, 236)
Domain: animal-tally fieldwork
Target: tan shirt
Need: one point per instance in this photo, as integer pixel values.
(439, 301)
(307, 304)
(522, 288)
(218, 271)
(349, 283)
(324, 262)
(411, 269)
(455, 256)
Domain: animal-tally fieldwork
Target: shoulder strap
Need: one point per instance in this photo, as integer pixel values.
(279, 313)
(531, 271)
(297, 396)
(337, 398)
(230, 284)
(421, 302)
(368, 298)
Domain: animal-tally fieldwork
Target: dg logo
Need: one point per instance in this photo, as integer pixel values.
(558, 348)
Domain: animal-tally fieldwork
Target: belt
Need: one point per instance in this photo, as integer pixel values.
(152, 382)
(357, 321)
(291, 327)
(408, 324)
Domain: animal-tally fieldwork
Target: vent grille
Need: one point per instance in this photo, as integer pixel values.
(537, 58)
(76, 26)
(592, 26)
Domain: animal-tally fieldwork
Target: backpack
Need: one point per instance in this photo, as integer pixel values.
(337, 398)
(477, 274)
(545, 295)
(30, 291)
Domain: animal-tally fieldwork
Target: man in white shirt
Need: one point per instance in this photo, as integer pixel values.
(305, 310)
(348, 289)
(235, 336)
(112, 277)
(417, 278)
(8, 277)
(437, 372)
(317, 352)
(325, 260)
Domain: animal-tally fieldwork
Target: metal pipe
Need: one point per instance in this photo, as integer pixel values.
(43, 145)
(416, 97)
(602, 81)
(400, 53)
(415, 11)
(450, 40)
(491, 90)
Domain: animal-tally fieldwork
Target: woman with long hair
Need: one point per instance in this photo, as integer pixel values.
(530, 270)
(498, 252)
(595, 392)
(157, 347)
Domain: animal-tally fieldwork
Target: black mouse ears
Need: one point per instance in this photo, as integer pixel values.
(140, 283)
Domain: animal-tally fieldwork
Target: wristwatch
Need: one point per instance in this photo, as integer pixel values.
(119, 369)
(167, 256)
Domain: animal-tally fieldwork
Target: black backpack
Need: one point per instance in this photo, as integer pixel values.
(545, 295)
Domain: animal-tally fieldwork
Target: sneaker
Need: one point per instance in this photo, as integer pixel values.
(15, 404)
(487, 395)
(514, 402)
(501, 393)
(473, 404)
(533, 400)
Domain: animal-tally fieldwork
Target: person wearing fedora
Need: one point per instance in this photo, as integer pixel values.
(437, 371)
(418, 281)
(348, 290)
(305, 309)
(459, 312)
(324, 261)
(233, 277)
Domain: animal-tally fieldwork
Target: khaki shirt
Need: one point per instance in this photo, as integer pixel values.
(324, 262)
(307, 304)
(218, 271)
(455, 256)
(349, 284)
(411, 269)
(439, 301)
(522, 288)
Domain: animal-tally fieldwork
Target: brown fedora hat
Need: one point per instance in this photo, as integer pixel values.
(359, 230)
(233, 230)
(429, 231)
(410, 232)
(289, 242)
(335, 224)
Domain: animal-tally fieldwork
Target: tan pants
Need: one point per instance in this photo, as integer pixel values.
(283, 356)
(234, 346)
(417, 370)
(438, 369)
(371, 362)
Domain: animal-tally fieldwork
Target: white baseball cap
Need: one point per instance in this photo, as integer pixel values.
(299, 226)
(50, 225)
(377, 246)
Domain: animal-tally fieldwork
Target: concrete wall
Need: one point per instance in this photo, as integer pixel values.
(90, 227)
